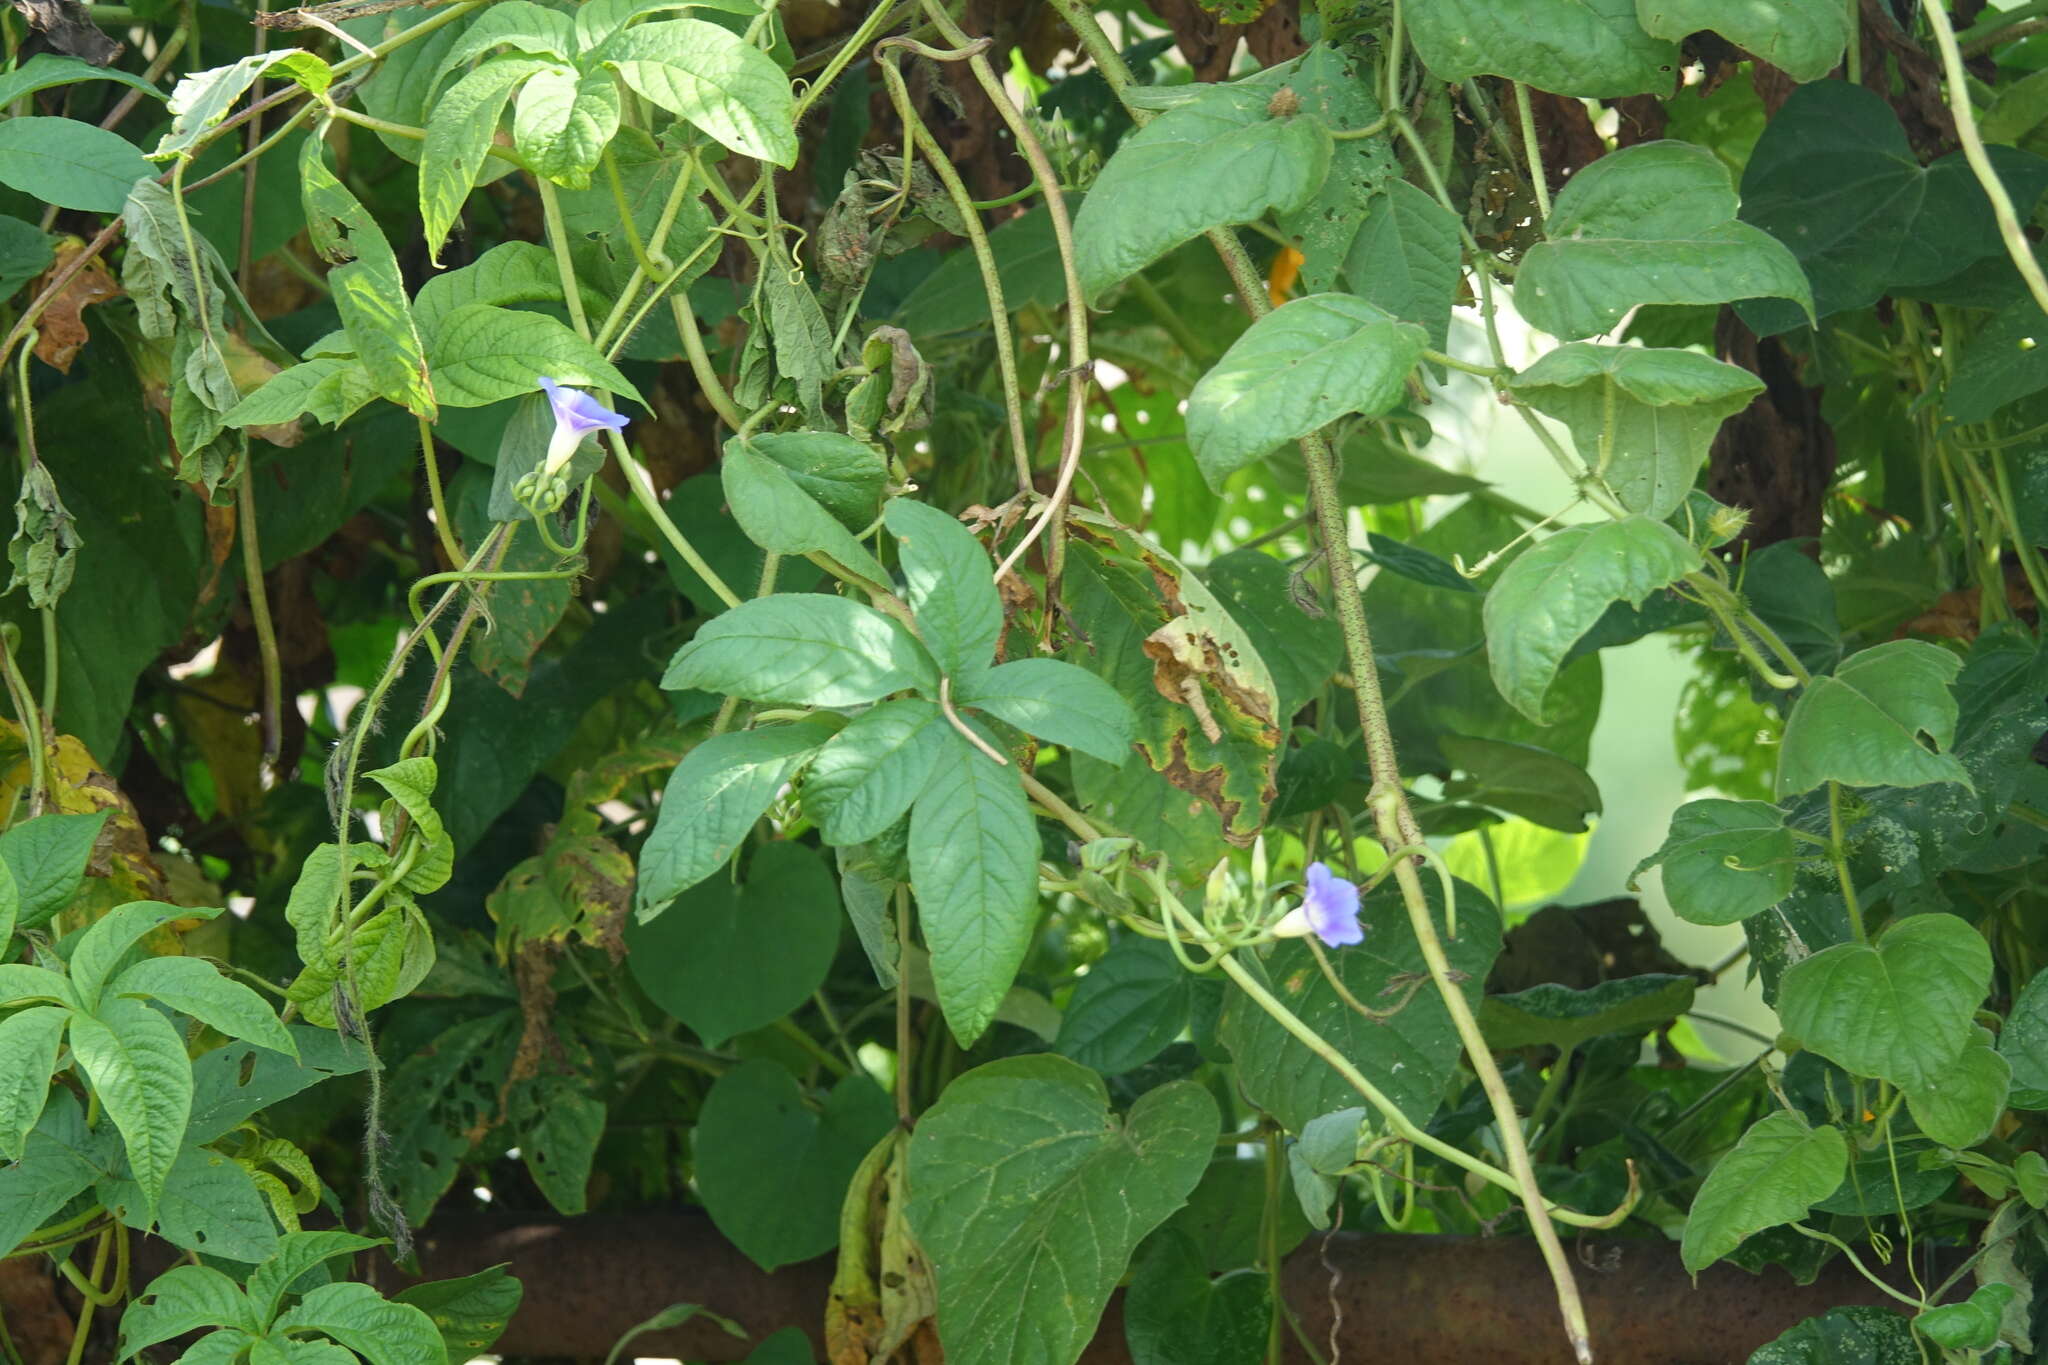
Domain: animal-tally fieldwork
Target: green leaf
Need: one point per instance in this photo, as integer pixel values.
(1411, 1055)
(357, 1316)
(1900, 1011)
(369, 291)
(1802, 38)
(520, 25)
(28, 1055)
(778, 513)
(471, 1312)
(1724, 861)
(1297, 369)
(2024, 1040)
(1642, 419)
(1552, 1015)
(509, 273)
(184, 1299)
(1408, 259)
(1174, 1314)
(805, 649)
(868, 893)
(103, 945)
(1554, 593)
(845, 477)
(559, 1126)
(711, 803)
(2001, 363)
(331, 390)
(202, 99)
(410, 783)
(726, 959)
(974, 866)
(1145, 203)
(480, 354)
(563, 121)
(21, 982)
(1131, 1005)
(1058, 702)
(209, 1204)
(1835, 179)
(949, 582)
(137, 1065)
(1025, 1262)
(1862, 726)
(1521, 779)
(230, 1084)
(297, 1253)
(1844, 1336)
(25, 252)
(459, 138)
(46, 70)
(1960, 1106)
(772, 1173)
(724, 85)
(867, 775)
(1589, 48)
(1779, 1169)
(1650, 224)
(193, 987)
(1968, 1326)
(68, 164)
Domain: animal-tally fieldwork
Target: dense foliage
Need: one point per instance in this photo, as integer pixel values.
(871, 616)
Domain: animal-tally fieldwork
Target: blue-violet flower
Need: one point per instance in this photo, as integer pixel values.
(1329, 910)
(577, 415)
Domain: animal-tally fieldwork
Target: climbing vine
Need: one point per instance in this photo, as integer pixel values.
(902, 621)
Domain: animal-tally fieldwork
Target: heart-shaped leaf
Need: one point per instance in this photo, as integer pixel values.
(1899, 1011)
(1174, 1314)
(1029, 1196)
(1724, 861)
(1642, 419)
(771, 1172)
(725, 959)
(1653, 223)
(1552, 594)
(1959, 1107)
(1779, 1169)
(1862, 726)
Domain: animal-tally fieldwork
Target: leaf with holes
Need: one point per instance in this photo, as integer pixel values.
(1863, 725)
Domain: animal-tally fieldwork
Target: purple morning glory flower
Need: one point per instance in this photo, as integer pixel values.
(577, 415)
(1329, 910)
